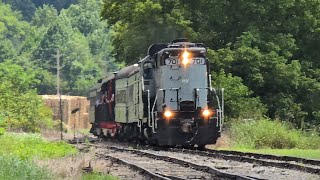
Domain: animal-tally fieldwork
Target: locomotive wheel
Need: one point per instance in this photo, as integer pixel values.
(201, 147)
(187, 147)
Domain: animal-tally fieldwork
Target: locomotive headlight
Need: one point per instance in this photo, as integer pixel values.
(168, 114)
(185, 57)
(206, 113)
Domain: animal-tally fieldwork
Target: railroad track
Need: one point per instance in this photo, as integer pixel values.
(208, 164)
(295, 163)
(164, 167)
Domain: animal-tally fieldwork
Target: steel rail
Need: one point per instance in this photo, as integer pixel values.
(139, 168)
(202, 168)
(268, 156)
(263, 159)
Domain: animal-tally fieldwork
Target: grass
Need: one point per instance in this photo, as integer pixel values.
(23, 156)
(12, 168)
(98, 176)
(268, 134)
(18, 150)
(28, 146)
(272, 137)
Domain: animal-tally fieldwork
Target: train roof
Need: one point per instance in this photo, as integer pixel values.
(127, 71)
(108, 78)
(178, 43)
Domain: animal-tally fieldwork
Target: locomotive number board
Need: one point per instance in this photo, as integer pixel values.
(196, 60)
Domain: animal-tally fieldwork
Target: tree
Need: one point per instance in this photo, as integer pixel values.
(26, 7)
(239, 100)
(139, 24)
(44, 16)
(80, 68)
(85, 16)
(19, 100)
(12, 32)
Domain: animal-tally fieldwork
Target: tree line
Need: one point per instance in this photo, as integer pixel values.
(264, 53)
(30, 34)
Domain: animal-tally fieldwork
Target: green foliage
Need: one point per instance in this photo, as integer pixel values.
(239, 102)
(2, 131)
(28, 7)
(270, 46)
(29, 146)
(265, 133)
(81, 38)
(85, 15)
(138, 24)
(265, 54)
(24, 109)
(2, 124)
(98, 176)
(280, 83)
(12, 32)
(12, 168)
(44, 16)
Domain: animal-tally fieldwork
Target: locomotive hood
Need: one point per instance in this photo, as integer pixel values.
(182, 79)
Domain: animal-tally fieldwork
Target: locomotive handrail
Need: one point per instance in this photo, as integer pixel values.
(152, 111)
(210, 82)
(154, 104)
(139, 124)
(220, 106)
(149, 121)
(220, 110)
(196, 90)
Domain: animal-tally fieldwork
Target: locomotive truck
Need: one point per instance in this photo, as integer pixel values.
(165, 99)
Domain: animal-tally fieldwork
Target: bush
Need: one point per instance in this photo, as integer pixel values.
(271, 134)
(2, 131)
(15, 168)
(23, 108)
(238, 97)
(2, 125)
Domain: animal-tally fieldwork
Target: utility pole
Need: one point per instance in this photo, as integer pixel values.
(58, 70)
(57, 56)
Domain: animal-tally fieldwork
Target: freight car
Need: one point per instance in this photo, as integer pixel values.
(165, 99)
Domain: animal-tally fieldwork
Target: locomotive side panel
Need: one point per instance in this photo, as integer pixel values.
(133, 98)
(121, 100)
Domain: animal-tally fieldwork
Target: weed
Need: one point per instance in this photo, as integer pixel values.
(27, 146)
(12, 168)
(266, 133)
(98, 176)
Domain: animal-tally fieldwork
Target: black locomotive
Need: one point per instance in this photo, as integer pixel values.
(165, 99)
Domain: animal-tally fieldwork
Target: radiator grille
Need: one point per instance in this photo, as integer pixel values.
(187, 106)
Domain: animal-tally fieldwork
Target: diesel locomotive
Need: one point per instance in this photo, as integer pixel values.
(165, 99)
